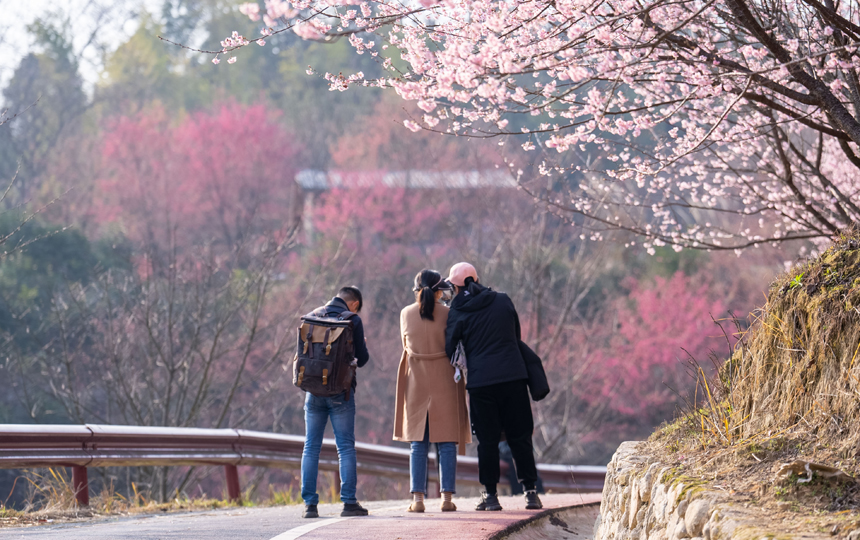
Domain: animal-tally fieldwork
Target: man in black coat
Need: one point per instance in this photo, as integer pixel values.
(487, 324)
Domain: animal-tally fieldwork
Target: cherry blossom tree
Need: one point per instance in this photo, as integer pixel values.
(379, 142)
(714, 124)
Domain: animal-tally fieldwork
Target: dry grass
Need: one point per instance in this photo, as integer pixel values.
(52, 499)
(791, 390)
(796, 370)
(798, 364)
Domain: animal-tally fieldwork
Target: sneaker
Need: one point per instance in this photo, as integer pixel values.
(353, 509)
(489, 502)
(532, 500)
(310, 511)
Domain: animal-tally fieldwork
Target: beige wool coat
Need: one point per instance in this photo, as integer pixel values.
(425, 383)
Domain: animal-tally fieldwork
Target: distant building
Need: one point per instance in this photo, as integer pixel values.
(311, 182)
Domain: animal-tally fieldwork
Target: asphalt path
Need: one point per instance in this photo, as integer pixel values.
(387, 520)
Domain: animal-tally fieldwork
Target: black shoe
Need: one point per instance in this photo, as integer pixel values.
(310, 511)
(353, 509)
(489, 502)
(532, 500)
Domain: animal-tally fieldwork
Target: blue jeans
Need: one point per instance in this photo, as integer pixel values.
(342, 413)
(446, 453)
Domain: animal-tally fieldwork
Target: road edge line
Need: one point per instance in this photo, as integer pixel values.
(302, 530)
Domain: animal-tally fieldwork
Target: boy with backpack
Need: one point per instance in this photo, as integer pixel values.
(330, 346)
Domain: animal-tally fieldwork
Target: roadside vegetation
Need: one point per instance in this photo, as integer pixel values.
(51, 499)
(778, 424)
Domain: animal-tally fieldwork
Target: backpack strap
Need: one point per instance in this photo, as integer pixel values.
(346, 315)
(309, 346)
(326, 344)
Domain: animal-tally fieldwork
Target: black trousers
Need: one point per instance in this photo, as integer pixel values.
(503, 407)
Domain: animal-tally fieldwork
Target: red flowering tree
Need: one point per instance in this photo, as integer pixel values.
(657, 328)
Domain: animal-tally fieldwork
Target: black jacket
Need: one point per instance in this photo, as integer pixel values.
(489, 327)
(334, 308)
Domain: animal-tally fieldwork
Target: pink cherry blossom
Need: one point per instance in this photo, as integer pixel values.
(251, 9)
(694, 124)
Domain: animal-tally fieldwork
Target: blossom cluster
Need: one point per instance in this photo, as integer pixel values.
(709, 124)
(236, 40)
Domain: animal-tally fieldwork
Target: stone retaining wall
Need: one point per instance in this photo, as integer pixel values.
(645, 500)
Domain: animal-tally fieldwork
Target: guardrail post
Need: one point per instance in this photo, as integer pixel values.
(234, 494)
(81, 485)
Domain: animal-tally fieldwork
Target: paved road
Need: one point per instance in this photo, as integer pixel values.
(388, 521)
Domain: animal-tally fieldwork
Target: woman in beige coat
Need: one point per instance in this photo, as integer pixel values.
(431, 406)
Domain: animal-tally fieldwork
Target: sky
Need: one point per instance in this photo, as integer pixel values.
(107, 22)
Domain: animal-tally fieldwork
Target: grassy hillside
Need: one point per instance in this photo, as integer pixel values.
(790, 393)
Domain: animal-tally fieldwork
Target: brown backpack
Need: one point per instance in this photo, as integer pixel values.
(323, 364)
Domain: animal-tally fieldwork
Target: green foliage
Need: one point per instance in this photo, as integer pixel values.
(283, 497)
(30, 277)
(306, 99)
(46, 92)
(637, 264)
(796, 282)
(53, 36)
(666, 261)
(181, 18)
(140, 72)
(146, 70)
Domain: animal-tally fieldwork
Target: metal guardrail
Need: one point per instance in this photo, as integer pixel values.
(93, 445)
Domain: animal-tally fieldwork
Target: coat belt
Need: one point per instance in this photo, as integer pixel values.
(432, 356)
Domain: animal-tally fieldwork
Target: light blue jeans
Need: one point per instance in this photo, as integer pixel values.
(342, 413)
(446, 453)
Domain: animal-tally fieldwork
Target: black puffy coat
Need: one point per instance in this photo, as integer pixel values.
(489, 327)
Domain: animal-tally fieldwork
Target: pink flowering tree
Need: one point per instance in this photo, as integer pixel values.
(657, 328)
(215, 177)
(714, 124)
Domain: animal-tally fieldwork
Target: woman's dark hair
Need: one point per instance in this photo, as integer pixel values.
(427, 282)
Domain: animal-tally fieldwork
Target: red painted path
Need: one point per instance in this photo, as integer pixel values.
(388, 521)
(464, 524)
